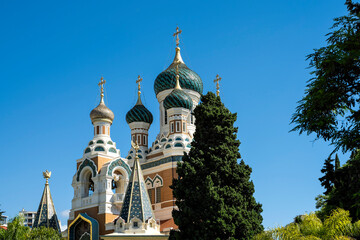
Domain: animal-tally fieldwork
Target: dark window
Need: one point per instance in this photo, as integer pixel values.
(158, 195)
(165, 116)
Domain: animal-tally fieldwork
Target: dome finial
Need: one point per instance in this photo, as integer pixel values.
(138, 81)
(177, 85)
(176, 35)
(217, 80)
(178, 58)
(101, 84)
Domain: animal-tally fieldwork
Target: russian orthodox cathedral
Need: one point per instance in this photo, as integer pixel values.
(115, 196)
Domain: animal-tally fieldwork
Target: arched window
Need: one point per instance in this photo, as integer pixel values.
(165, 117)
(158, 194)
(163, 140)
(140, 156)
(178, 139)
(178, 145)
(157, 147)
(87, 150)
(99, 149)
(189, 146)
(113, 150)
(170, 140)
(91, 143)
(168, 146)
(110, 142)
(129, 157)
(186, 139)
(144, 139)
(87, 184)
(99, 141)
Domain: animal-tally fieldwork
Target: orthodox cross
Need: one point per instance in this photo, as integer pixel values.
(217, 80)
(101, 84)
(176, 35)
(138, 81)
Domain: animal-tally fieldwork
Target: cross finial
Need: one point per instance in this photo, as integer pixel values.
(138, 81)
(101, 84)
(217, 80)
(176, 35)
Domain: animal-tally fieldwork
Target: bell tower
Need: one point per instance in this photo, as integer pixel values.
(101, 175)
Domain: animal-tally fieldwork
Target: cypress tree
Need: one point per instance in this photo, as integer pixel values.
(214, 193)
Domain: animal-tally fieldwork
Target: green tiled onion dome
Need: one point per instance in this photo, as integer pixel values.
(101, 112)
(178, 99)
(188, 78)
(139, 113)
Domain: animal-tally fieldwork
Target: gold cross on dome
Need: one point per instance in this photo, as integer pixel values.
(176, 35)
(101, 84)
(138, 81)
(217, 80)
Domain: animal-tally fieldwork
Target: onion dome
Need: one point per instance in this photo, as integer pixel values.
(188, 78)
(139, 113)
(102, 112)
(178, 98)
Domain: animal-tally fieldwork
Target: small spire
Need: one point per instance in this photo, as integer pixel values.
(217, 80)
(47, 175)
(177, 85)
(101, 84)
(138, 81)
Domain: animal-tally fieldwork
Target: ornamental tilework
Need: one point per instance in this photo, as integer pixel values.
(116, 163)
(161, 161)
(85, 163)
(188, 79)
(178, 98)
(139, 113)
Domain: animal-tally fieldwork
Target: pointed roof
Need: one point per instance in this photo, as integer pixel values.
(136, 202)
(46, 214)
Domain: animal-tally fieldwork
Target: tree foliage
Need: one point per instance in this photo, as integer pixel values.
(336, 226)
(214, 193)
(17, 231)
(331, 106)
(345, 192)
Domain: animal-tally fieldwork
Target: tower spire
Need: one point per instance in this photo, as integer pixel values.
(101, 84)
(177, 85)
(217, 80)
(46, 214)
(138, 81)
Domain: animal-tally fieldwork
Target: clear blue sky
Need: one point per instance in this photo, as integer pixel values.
(54, 52)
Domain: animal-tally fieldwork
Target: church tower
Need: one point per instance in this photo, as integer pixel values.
(178, 90)
(101, 177)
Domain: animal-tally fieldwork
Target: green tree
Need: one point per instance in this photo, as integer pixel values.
(327, 181)
(346, 193)
(213, 192)
(44, 233)
(17, 231)
(336, 226)
(331, 106)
